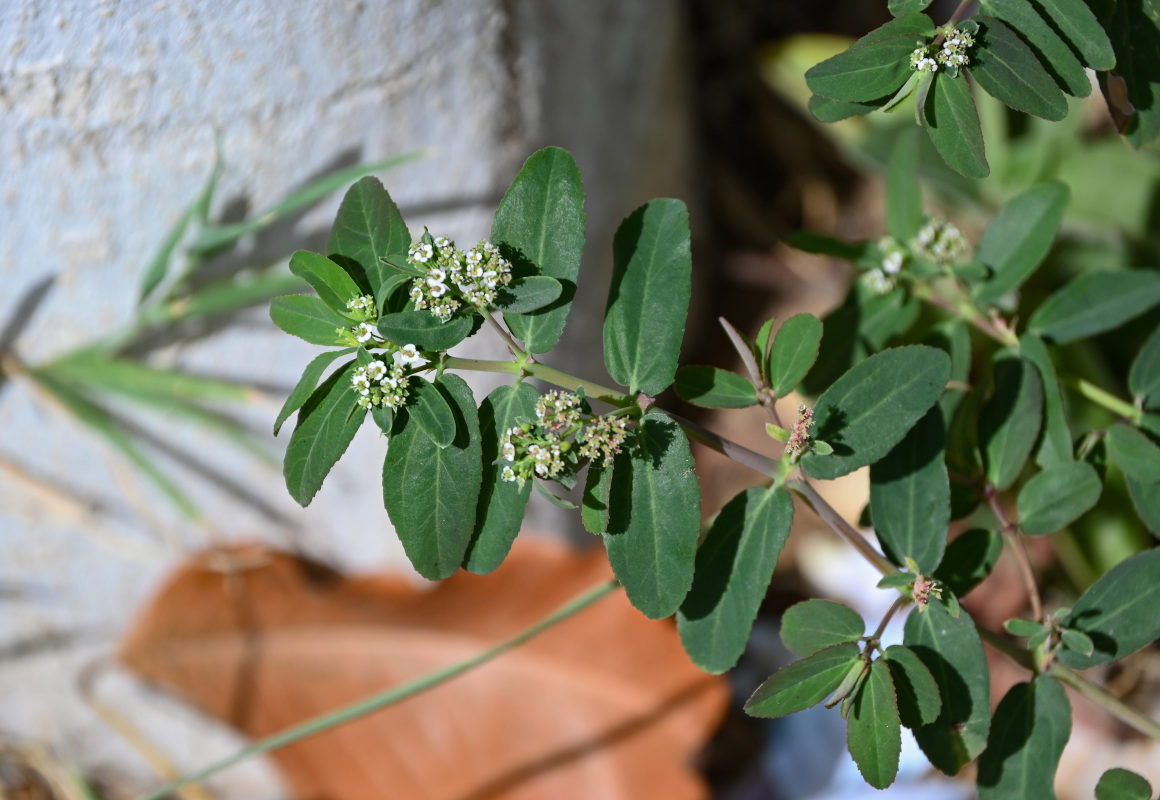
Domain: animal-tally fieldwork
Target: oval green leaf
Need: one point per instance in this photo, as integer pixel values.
(1134, 453)
(1095, 302)
(918, 700)
(1144, 375)
(874, 66)
(869, 409)
(1052, 51)
(873, 731)
(594, 501)
(1008, 70)
(1009, 422)
(309, 318)
(428, 408)
(710, 387)
(1031, 726)
(1146, 501)
(733, 568)
(539, 227)
(524, 295)
(1019, 237)
(1055, 444)
(430, 492)
(327, 422)
(424, 330)
(815, 624)
(803, 683)
(306, 384)
(367, 229)
(655, 518)
(1057, 497)
(1078, 25)
(333, 285)
(899, 8)
(794, 351)
(1122, 784)
(952, 123)
(648, 300)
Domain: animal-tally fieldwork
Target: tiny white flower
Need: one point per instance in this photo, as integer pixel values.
(437, 289)
(508, 474)
(892, 264)
(376, 371)
(509, 451)
(473, 256)
(364, 332)
(435, 275)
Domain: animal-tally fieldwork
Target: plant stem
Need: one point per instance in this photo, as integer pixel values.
(517, 351)
(544, 373)
(1013, 537)
(967, 312)
(1103, 398)
(729, 448)
(1106, 700)
(894, 609)
(359, 709)
(845, 530)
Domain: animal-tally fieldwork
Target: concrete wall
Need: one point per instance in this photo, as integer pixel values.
(108, 116)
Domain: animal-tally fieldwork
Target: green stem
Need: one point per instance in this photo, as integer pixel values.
(544, 373)
(730, 449)
(844, 529)
(1103, 698)
(967, 312)
(1103, 398)
(390, 697)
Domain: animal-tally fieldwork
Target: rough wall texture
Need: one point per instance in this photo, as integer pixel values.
(108, 115)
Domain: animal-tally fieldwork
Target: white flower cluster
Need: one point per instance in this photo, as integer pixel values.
(557, 411)
(454, 279)
(882, 279)
(603, 439)
(920, 60)
(941, 242)
(530, 451)
(952, 56)
(362, 308)
(380, 385)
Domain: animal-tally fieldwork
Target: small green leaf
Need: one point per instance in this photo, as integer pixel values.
(1055, 444)
(870, 408)
(1144, 376)
(794, 351)
(1095, 302)
(952, 123)
(1118, 611)
(309, 318)
(874, 734)
(951, 650)
(367, 229)
(903, 195)
(524, 295)
(1057, 497)
(306, 384)
(895, 580)
(597, 487)
(900, 8)
(1052, 51)
(327, 423)
(332, 283)
(428, 409)
(733, 568)
(539, 227)
(501, 503)
(1008, 70)
(763, 342)
(1134, 453)
(710, 387)
(910, 495)
(969, 559)
(813, 625)
(1009, 422)
(1079, 26)
(159, 264)
(648, 300)
(803, 683)
(1017, 626)
(918, 700)
(1123, 784)
(874, 66)
(1019, 237)
(424, 330)
(1031, 726)
(1077, 641)
(827, 109)
(430, 492)
(1146, 501)
(821, 244)
(655, 518)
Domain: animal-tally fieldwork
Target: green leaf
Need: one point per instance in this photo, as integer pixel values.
(733, 568)
(430, 492)
(424, 330)
(803, 683)
(827, 109)
(1134, 453)
(1009, 422)
(821, 244)
(815, 624)
(1020, 237)
(1123, 784)
(952, 123)
(1095, 302)
(1023, 627)
(309, 318)
(597, 488)
(648, 300)
(1057, 497)
(367, 229)
(222, 297)
(305, 386)
(327, 423)
(954, 339)
(159, 264)
(1008, 70)
(900, 8)
(1144, 375)
(1118, 611)
(332, 283)
(500, 510)
(873, 733)
(918, 700)
(1053, 52)
(1132, 90)
(528, 294)
(951, 650)
(910, 495)
(1146, 500)
(874, 66)
(870, 408)
(654, 518)
(969, 559)
(1031, 726)
(1055, 444)
(428, 409)
(1079, 26)
(903, 195)
(1077, 641)
(539, 227)
(794, 351)
(710, 387)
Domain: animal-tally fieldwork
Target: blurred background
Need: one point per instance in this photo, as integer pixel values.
(159, 161)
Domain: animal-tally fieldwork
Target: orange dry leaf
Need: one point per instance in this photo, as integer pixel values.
(604, 705)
